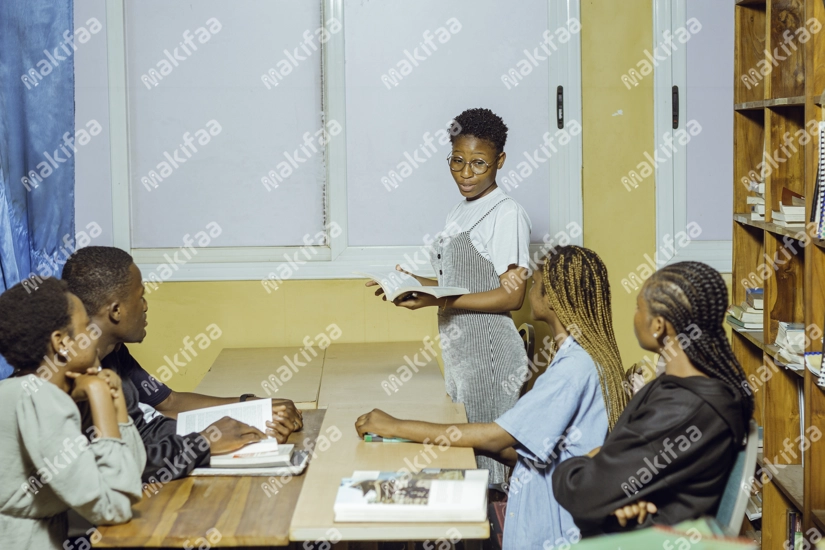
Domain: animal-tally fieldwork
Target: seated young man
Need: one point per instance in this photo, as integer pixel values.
(110, 286)
(569, 411)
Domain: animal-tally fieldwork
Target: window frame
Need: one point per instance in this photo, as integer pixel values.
(671, 179)
(336, 260)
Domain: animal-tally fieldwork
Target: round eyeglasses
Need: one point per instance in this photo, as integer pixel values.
(478, 166)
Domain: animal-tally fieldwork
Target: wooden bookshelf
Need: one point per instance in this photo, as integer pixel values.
(766, 110)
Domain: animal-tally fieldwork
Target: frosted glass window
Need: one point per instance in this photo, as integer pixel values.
(413, 66)
(205, 129)
(709, 101)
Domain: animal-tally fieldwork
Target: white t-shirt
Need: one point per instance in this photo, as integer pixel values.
(503, 237)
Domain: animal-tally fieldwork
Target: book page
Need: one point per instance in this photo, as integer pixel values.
(391, 282)
(255, 413)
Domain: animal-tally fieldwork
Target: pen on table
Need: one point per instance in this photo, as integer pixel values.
(372, 438)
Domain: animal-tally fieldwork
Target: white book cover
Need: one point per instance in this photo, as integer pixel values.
(255, 413)
(396, 283)
(431, 495)
(755, 200)
(296, 465)
(789, 217)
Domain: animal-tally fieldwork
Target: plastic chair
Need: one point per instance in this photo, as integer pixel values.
(731, 512)
(528, 334)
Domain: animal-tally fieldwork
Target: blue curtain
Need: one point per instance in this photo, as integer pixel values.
(36, 127)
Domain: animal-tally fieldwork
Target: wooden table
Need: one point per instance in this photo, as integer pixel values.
(262, 371)
(377, 373)
(237, 507)
(313, 518)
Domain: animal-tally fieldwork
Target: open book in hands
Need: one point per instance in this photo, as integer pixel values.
(397, 283)
(267, 453)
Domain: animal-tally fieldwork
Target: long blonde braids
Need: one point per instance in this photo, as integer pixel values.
(577, 289)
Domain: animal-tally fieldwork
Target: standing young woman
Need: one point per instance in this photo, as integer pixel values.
(670, 454)
(490, 257)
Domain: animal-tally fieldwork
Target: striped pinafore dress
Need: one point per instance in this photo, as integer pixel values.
(484, 349)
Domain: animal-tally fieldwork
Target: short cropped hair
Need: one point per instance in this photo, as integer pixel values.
(98, 274)
(28, 316)
(482, 124)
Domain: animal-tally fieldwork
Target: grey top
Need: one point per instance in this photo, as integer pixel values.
(49, 467)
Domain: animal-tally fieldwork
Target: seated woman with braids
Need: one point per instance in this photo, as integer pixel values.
(669, 456)
(569, 411)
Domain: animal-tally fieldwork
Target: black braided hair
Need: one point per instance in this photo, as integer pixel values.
(690, 294)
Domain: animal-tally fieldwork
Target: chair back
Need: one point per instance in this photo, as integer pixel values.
(528, 334)
(731, 512)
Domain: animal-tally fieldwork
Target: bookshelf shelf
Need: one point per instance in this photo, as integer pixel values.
(755, 337)
(789, 481)
(749, 105)
(784, 102)
(796, 101)
(767, 226)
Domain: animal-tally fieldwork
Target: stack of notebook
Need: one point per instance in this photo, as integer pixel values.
(756, 201)
(791, 211)
(748, 316)
(791, 342)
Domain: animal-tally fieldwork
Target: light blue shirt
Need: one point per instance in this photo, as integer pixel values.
(561, 417)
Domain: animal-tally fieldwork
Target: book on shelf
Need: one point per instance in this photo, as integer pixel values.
(263, 454)
(780, 216)
(758, 188)
(757, 217)
(752, 199)
(744, 325)
(746, 313)
(795, 538)
(813, 362)
(755, 297)
(396, 283)
(754, 507)
(431, 495)
(791, 336)
(819, 206)
(758, 208)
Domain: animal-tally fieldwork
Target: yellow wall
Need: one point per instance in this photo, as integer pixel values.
(618, 224)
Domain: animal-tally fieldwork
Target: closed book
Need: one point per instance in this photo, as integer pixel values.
(757, 217)
(755, 200)
(757, 187)
(745, 314)
(756, 301)
(789, 217)
(758, 208)
(743, 325)
(797, 210)
(431, 495)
